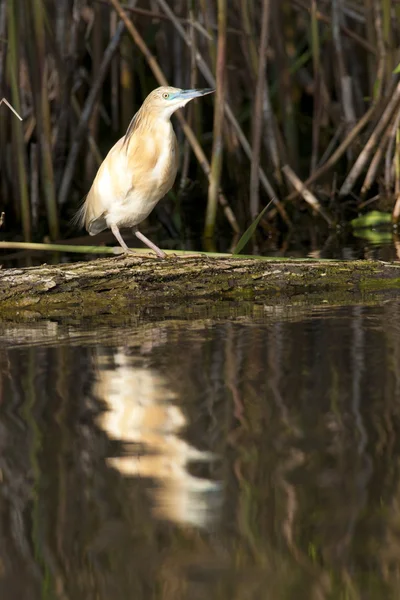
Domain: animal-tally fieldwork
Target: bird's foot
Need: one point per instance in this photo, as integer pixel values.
(131, 253)
(124, 253)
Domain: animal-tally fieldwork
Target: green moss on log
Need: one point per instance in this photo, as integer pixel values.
(115, 285)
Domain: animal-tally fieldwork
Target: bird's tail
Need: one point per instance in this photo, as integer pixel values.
(79, 218)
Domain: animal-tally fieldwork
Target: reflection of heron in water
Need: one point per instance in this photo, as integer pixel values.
(140, 409)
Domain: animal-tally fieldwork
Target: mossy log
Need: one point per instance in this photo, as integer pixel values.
(116, 285)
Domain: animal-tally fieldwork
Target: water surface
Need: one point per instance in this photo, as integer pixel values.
(250, 455)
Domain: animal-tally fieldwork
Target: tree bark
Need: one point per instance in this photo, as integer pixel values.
(116, 285)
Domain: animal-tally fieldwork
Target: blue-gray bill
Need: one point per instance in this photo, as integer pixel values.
(189, 94)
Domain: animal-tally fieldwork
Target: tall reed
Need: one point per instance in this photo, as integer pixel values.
(216, 160)
(258, 105)
(316, 97)
(14, 28)
(39, 72)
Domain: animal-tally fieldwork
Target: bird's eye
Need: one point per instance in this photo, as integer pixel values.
(165, 95)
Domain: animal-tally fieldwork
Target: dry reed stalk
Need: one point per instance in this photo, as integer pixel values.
(151, 14)
(276, 150)
(38, 68)
(257, 116)
(333, 142)
(344, 81)
(30, 126)
(285, 85)
(306, 194)
(67, 57)
(217, 148)
(66, 62)
(249, 35)
(177, 55)
(206, 10)
(3, 46)
(205, 71)
(370, 32)
(380, 72)
(332, 161)
(93, 147)
(325, 19)
(160, 77)
(18, 138)
(126, 80)
(192, 85)
(114, 77)
(86, 114)
(5, 192)
(315, 50)
(366, 152)
(391, 157)
(270, 138)
(34, 184)
(371, 175)
(61, 26)
(96, 54)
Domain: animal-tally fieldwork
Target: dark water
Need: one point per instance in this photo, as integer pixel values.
(251, 456)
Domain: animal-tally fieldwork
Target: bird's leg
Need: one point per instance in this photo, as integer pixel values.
(119, 237)
(148, 243)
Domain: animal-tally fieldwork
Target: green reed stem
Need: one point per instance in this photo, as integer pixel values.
(217, 151)
(39, 68)
(112, 250)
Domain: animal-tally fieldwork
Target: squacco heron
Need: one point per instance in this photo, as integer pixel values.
(138, 170)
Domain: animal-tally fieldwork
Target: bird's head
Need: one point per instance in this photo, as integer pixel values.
(166, 100)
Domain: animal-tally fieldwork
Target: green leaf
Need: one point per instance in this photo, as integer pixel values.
(374, 237)
(248, 234)
(397, 69)
(372, 219)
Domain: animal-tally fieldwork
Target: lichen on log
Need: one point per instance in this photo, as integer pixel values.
(113, 285)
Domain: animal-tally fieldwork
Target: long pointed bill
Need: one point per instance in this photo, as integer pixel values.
(189, 94)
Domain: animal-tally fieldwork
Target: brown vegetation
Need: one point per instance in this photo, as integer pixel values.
(308, 90)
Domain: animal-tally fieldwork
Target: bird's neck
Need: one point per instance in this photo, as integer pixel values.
(159, 129)
(150, 123)
(153, 120)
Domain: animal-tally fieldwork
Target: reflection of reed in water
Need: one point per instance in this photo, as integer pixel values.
(140, 410)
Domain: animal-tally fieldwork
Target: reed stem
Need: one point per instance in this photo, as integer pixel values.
(217, 151)
(39, 79)
(18, 136)
(258, 107)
